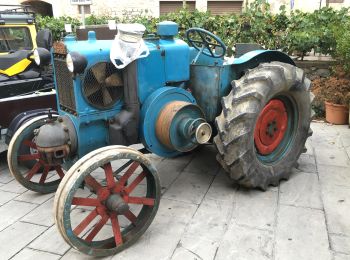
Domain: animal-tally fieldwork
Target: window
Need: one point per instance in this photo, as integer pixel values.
(87, 9)
(225, 7)
(172, 6)
(15, 38)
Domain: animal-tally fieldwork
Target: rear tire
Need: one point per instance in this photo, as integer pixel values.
(264, 124)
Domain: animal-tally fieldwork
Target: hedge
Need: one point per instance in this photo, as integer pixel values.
(295, 33)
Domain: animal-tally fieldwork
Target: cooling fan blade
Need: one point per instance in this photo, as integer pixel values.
(91, 89)
(115, 80)
(99, 72)
(107, 99)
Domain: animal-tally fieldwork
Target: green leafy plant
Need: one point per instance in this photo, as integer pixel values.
(56, 25)
(297, 32)
(342, 49)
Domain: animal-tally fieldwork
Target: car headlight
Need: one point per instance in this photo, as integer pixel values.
(41, 56)
(76, 63)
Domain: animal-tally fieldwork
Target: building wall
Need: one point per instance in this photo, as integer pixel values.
(304, 5)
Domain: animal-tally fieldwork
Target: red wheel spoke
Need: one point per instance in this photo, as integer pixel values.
(140, 200)
(29, 143)
(116, 229)
(126, 176)
(28, 157)
(109, 175)
(44, 174)
(136, 182)
(130, 216)
(86, 202)
(59, 171)
(34, 170)
(85, 222)
(97, 228)
(91, 181)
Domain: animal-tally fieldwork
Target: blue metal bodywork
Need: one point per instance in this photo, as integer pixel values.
(166, 75)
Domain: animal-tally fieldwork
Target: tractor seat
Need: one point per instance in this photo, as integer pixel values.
(7, 60)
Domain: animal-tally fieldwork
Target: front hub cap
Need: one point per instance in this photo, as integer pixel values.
(116, 203)
(271, 127)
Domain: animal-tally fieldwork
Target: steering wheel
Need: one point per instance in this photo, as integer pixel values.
(206, 42)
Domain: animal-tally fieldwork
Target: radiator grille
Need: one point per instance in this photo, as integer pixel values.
(64, 83)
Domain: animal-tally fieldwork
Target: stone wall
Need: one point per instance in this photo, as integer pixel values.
(316, 69)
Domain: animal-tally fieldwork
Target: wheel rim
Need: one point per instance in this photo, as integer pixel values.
(117, 213)
(275, 129)
(29, 168)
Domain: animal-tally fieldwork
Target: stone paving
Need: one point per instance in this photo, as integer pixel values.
(204, 216)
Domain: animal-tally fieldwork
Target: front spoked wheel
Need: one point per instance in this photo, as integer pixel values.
(27, 165)
(107, 200)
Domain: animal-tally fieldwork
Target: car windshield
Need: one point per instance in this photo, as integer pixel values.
(15, 38)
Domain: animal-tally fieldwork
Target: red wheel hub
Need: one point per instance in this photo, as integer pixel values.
(270, 127)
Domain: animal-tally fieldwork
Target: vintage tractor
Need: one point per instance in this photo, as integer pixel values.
(257, 106)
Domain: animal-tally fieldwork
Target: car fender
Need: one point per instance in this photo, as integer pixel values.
(21, 118)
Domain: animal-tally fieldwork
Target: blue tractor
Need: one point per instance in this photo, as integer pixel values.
(254, 108)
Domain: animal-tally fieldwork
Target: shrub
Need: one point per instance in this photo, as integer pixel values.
(342, 50)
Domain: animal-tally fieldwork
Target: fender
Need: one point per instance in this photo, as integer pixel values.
(21, 118)
(252, 60)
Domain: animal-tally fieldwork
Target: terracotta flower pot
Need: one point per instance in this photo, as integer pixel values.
(337, 114)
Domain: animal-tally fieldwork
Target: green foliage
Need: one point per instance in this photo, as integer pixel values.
(297, 33)
(342, 50)
(56, 25)
(96, 20)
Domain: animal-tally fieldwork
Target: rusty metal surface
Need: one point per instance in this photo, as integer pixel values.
(102, 32)
(164, 121)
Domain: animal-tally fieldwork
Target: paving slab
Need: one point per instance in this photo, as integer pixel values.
(204, 161)
(5, 175)
(50, 241)
(301, 234)
(203, 215)
(336, 201)
(338, 256)
(6, 196)
(256, 208)
(340, 244)
(34, 197)
(331, 156)
(243, 243)
(206, 228)
(189, 187)
(195, 247)
(73, 254)
(168, 172)
(31, 254)
(345, 139)
(307, 163)
(42, 215)
(162, 237)
(222, 188)
(13, 211)
(16, 237)
(334, 175)
(303, 190)
(13, 186)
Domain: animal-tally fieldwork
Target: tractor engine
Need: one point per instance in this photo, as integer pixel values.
(101, 105)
